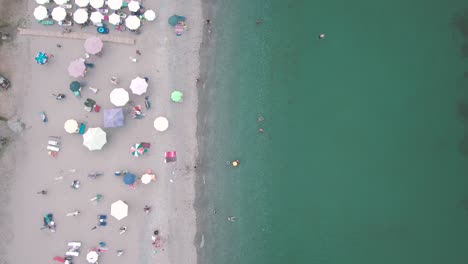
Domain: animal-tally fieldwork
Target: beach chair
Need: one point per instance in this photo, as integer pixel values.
(102, 220)
(59, 259)
(146, 146)
(54, 143)
(47, 22)
(170, 156)
(52, 148)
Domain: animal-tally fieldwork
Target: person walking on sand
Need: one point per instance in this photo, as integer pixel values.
(75, 213)
(138, 52)
(114, 80)
(43, 192)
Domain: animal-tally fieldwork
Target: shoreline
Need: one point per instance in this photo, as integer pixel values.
(206, 55)
(173, 63)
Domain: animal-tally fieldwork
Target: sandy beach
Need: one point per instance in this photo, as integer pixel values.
(171, 63)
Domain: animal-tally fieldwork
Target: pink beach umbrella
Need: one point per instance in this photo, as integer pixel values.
(93, 45)
(77, 68)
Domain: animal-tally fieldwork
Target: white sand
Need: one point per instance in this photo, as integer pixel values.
(170, 62)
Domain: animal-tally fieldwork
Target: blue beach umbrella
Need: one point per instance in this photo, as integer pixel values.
(129, 179)
(41, 58)
(113, 117)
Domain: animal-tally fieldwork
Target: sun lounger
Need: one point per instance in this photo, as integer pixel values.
(72, 253)
(52, 148)
(53, 143)
(74, 244)
(82, 129)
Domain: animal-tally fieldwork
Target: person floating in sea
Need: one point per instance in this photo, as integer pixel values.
(231, 218)
(321, 36)
(236, 163)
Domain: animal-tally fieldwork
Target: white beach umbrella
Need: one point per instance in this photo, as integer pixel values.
(40, 12)
(80, 16)
(119, 210)
(41, 2)
(114, 4)
(132, 22)
(133, 6)
(61, 2)
(147, 178)
(96, 17)
(59, 13)
(95, 138)
(92, 256)
(138, 86)
(119, 97)
(114, 19)
(96, 3)
(161, 123)
(82, 3)
(71, 126)
(149, 15)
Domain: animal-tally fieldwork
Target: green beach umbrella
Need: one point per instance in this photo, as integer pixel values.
(173, 20)
(177, 96)
(75, 86)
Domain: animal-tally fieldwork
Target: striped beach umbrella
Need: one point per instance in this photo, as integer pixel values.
(137, 150)
(42, 58)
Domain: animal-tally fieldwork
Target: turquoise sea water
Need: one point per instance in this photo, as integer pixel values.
(362, 156)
